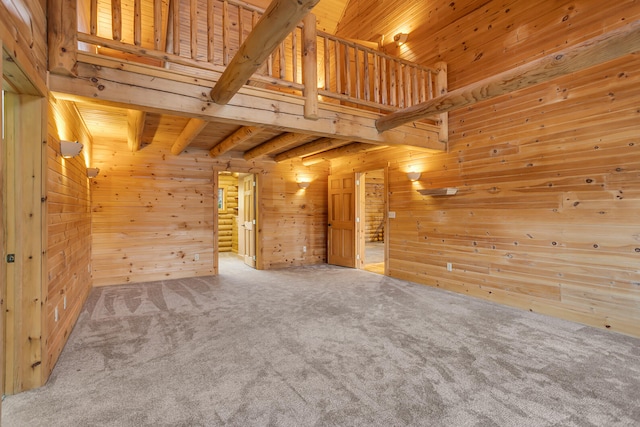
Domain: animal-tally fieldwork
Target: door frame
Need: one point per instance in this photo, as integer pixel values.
(361, 214)
(24, 283)
(257, 234)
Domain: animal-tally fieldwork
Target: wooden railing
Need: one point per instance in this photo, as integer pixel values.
(207, 33)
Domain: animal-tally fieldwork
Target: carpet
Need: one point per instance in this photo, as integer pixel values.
(327, 346)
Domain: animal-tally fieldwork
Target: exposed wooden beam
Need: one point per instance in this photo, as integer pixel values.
(63, 35)
(313, 147)
(595, 51)
(188, 134)
(274, 144)
(128, 85)
(238, 137)
(280, 18)
(135, 123)
(356, 147)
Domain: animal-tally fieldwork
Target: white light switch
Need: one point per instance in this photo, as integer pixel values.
(392, 214)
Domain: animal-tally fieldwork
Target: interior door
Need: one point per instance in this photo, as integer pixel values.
(249, 220)
(341, 221)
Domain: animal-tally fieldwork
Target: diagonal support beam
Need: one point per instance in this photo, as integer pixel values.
(135, 128)
(275, 144)
(313, 147)
(236, 138)
(188, 134)
(280, 18)
(354, 148)
(598, 50)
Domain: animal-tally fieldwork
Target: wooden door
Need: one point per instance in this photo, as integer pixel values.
(341, 221)
(249, 220)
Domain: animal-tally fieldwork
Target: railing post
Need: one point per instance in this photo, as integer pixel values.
(310, 67)
(63, 36)
(441, 89)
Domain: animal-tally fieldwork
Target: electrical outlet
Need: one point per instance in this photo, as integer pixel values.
(449, 266)
(391, 214)
(196, 257)
(304, 249)
(64, 302)
(55, 314)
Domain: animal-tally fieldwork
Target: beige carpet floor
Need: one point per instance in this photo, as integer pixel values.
(326, 346)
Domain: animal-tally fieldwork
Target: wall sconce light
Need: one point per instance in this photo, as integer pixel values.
(413, 176)
(92, 172)
(304, 184)
(70, 149)
(400, 38)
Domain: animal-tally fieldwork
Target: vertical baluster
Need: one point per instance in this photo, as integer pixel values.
(137, 22)
(193, 14)
(400, 86)
(441, 89)
(157, 24)
(282, 62)
(415, 87)
(407, 86)
(240, 27)
(423, 90)
(356, 55)
(210, 30)
(225, 32)
(430, 83)
(383, 83)
(294, 55)
(327, 64)
(347, 69)
(393, 99)
(338, 70)
(376, 78)
(93, 29)
(367, 79)
(176, 26)
(116, 19)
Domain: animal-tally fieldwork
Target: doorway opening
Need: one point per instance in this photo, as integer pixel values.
(373, 224)
(236, 220)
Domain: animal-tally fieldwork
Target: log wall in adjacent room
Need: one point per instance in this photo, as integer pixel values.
(374, 206)
(69, 228)
(546, 217)
(228, 216)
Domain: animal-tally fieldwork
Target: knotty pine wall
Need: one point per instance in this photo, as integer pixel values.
(68, 228)
(153, 211)
(291, 218)
(546, 217)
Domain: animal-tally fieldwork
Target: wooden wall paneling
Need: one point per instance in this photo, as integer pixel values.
(292, 218)
(69, 227)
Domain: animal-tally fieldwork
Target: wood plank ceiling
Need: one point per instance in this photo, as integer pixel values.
(111, 123)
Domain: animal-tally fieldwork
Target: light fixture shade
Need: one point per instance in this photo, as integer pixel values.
(413, 176)
(400, 38)
(304, 184)
(93, 172)
(70, 149)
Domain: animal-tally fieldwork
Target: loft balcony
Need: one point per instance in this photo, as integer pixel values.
(165, 56)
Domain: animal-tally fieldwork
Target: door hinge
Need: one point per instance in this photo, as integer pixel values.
(357, 220)
(253, 183)
(254, 257)
(357, 182)
(357, 256)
